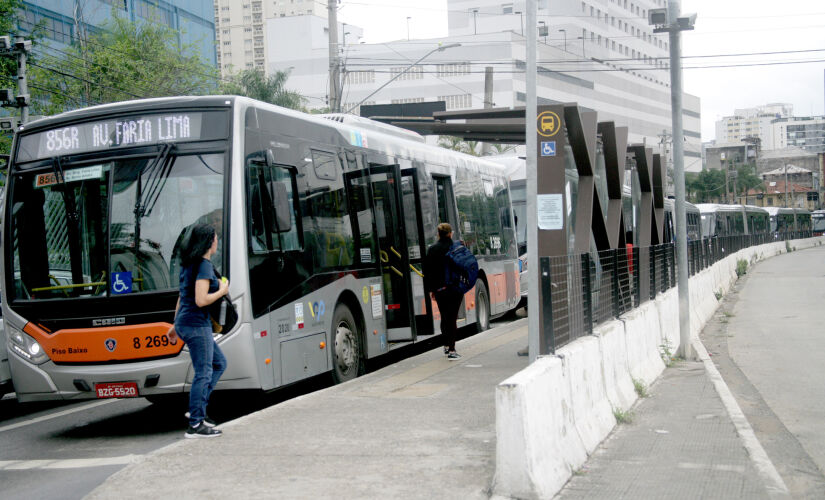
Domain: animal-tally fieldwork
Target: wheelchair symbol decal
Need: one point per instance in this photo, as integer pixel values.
(122, 282)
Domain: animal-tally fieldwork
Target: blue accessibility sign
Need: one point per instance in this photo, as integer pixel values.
(548, 148)
(122, 282)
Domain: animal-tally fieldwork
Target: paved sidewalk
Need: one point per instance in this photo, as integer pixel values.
(681, 443)
(422, 428)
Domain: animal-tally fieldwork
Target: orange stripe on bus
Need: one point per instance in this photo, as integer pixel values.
(112, 343)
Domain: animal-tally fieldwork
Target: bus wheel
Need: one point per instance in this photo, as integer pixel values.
(482, 307)
(346, 352)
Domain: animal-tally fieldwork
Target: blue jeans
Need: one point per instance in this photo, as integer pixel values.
(209, 364)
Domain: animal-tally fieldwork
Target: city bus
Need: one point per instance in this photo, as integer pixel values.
(323, 223)
(818, 222)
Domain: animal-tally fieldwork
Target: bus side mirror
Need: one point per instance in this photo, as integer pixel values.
(280, 202)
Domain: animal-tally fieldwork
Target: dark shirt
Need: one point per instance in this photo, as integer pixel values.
(434, 264)
(189, 314)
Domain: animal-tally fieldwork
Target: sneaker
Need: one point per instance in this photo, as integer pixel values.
(446, 350)
(452, 356)
(202, 431)
(206, 420)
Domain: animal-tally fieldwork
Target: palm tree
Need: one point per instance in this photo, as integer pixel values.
(257, 85)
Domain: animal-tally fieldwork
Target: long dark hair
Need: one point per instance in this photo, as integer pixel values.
(199, 240)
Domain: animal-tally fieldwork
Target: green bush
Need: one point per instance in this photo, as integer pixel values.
(741, 267)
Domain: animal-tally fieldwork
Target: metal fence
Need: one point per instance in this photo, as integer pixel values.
(586, 290)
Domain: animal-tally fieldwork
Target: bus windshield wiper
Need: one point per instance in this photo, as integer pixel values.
(157, 173)
(72, 221)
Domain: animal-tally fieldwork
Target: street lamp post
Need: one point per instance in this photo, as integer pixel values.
(669, 21)
(428, 54)
(564, 32)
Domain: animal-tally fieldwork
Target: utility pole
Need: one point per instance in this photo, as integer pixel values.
(488, 103)
(21, 49)
(669, 20)
(334, 58)
(786, 185)
(530, 116)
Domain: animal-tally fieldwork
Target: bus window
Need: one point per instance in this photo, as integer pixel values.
(326, 165)
(444, 201)
(272, 221)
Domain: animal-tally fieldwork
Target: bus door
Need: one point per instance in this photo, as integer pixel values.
(390, 237)
(416, 249)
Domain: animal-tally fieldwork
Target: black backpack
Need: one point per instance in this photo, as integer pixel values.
(461, 268)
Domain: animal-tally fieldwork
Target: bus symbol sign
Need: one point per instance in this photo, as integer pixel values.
(110, 344)
(548, 124)
(548, 148)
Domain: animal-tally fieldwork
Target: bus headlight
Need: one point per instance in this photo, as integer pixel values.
(26, 347)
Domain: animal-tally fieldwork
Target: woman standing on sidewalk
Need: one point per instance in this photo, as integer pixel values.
(199, 288)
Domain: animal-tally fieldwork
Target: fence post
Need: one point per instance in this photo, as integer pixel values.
(587, 294)
(616, 283)
(653, 281)
(673, 265)
(547, 304)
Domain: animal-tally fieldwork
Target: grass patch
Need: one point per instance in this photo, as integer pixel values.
(640, 388)
(666, 352)
(622, 417)
(728, 314)
(741, 267)
(718, 294)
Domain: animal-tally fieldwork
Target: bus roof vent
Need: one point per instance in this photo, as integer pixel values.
(367, 124)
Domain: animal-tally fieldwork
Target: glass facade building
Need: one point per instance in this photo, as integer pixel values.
(193, 20)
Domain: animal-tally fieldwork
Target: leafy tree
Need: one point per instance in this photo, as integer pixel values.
(746, 179)
(257, 85)
(123, 60)
(8, 64)
(706, 186)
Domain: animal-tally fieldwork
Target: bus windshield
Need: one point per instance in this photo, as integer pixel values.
(110, 227)
(818, 222)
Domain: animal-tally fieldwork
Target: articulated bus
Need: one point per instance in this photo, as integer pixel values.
(323, 223)
(732, 220)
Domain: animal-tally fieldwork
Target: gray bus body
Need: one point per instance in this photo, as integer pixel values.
(323, 223)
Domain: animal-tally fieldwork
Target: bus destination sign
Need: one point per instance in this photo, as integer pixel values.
(116, 133)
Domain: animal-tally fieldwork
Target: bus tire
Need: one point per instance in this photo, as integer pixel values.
(347, 361)
(482, 307)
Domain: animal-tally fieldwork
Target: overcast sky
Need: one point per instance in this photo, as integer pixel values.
(723, 28)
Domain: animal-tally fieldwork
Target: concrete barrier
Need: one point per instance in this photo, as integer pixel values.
(642, 339)
(667, 305)
(537, 445)
(592, 413)
(555, 412)
(617, 381)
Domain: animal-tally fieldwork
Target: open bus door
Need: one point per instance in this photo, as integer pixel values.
(417, 250)
(384, 185)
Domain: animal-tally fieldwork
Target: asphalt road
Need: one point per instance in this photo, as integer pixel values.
(58, 450)
(767, 341)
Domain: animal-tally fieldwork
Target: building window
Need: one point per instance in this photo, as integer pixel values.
(360, 77)
(460, 101)
(453, 69)
(414, 73)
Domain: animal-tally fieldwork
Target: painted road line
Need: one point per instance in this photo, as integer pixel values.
(70, 463)
(773, 481)
(58, 414)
